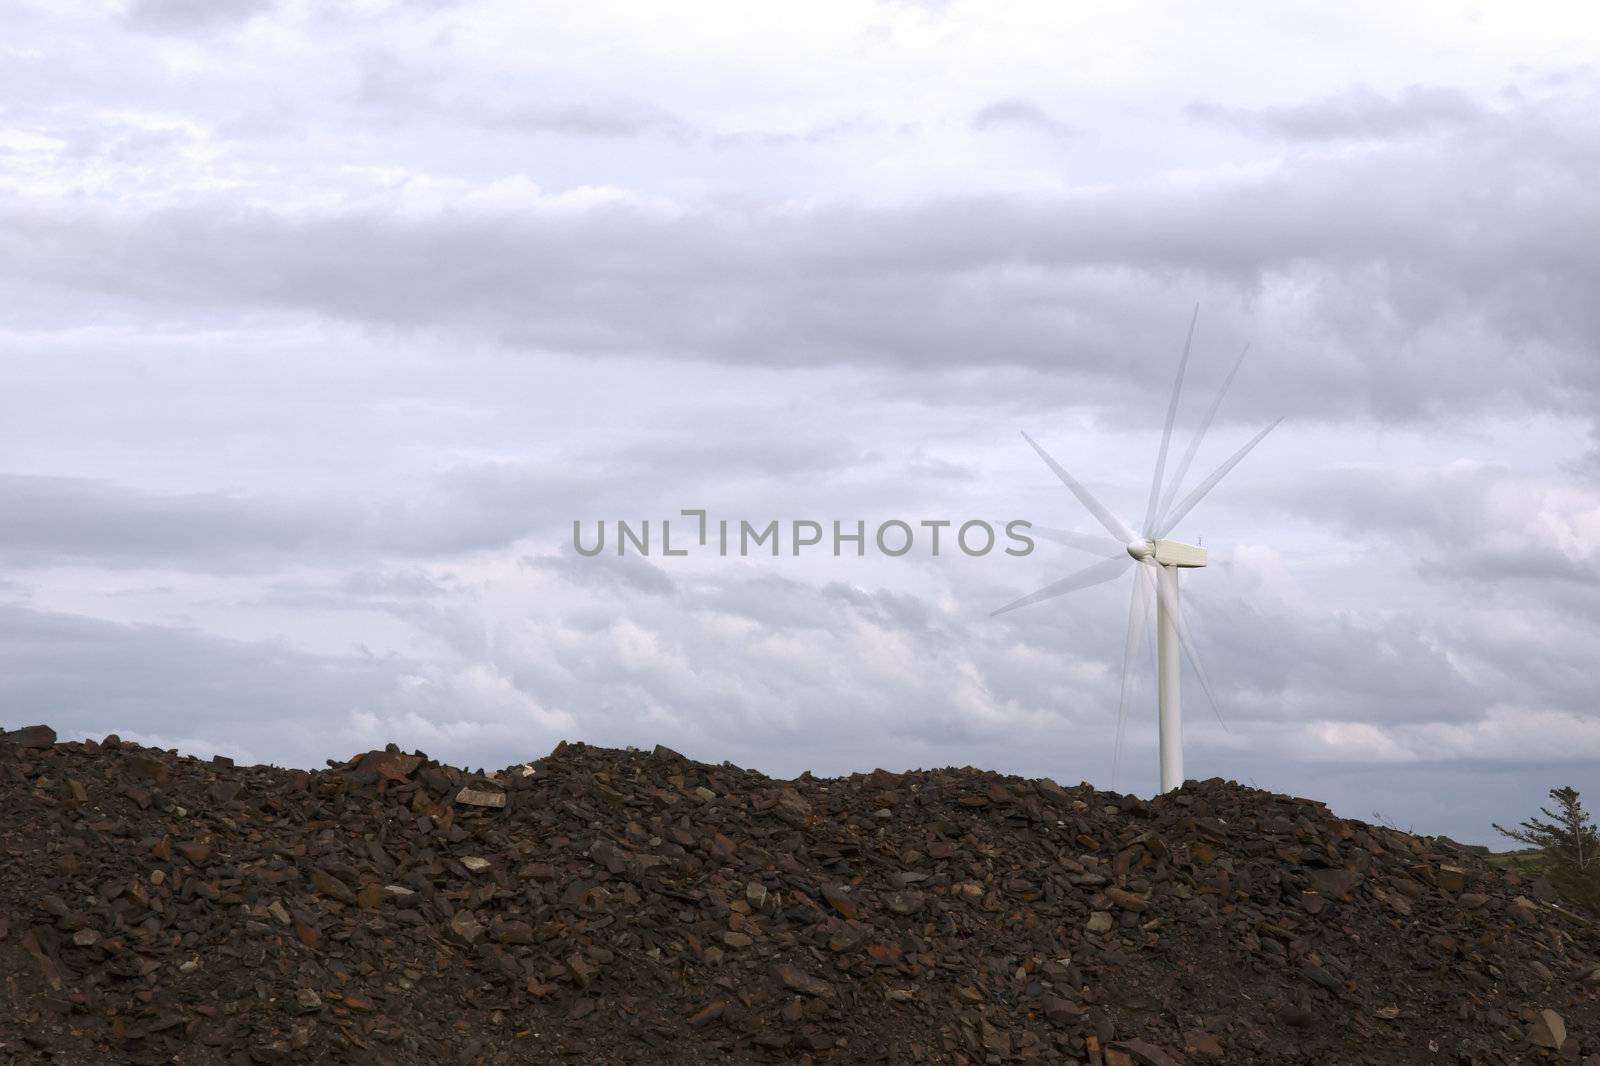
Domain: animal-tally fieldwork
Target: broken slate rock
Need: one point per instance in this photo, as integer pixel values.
(802, 982)
(29, 736)
(481, 797)
(606, 915)
(1548, 1030)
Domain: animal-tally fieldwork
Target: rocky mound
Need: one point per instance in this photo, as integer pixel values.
(601, 906)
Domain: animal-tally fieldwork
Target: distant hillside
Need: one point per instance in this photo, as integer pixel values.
(1531, 860)
(1476, 849)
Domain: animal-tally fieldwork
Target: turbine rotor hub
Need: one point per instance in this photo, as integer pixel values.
(1141, 549)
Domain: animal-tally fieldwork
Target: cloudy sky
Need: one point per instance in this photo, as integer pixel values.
(321, 323)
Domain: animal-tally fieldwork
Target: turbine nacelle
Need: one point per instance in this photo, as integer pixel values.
(1167, 552)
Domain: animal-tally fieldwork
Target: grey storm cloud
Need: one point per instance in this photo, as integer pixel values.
(628, 574)
(1494, 526)
(178, 687)
(406, 583)
(186, 15)
(1015, 112)
(1415, 268)
(682, 451)
(462, 508)
(53, 519)
(411, 594)
(1276, 663)
(893, 610)
(1359, 114)
(779, 603)
(617, 118)
(409, 92)
(1282, 664)
(774, 602)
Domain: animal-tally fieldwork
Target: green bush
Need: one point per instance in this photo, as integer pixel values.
(1569, 849)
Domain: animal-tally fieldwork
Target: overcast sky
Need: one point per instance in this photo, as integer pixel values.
(320, 324)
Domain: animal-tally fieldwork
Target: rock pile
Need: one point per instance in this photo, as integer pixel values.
(602, 906)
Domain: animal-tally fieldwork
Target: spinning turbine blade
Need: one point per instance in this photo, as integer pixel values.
(1209, 483)
(1154, 582)
(1166, 433)
(1170, 603)
(1093, 543)
(1195, 623)
(1199, 435)
(1103, 516)
(1094, 574)
(1138, 612)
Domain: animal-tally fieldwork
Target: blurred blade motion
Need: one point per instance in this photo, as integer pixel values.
(1093, 543)
(1199, 436)
(1210, 483)
(1169, 603)
(1106, 519)
(1166, 432)
(1094, 574)
(1138, 615)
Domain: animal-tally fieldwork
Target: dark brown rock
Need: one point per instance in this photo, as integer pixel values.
(709, 1013)
(800, 981)
(29, 736)
(1124, 899)
(625, 907)
(1452, 879)
(1144, 1053)
(331, 886)
(511, 932)
(465, 926)
(1548, 1030)
(390, 765)
(1297, 1015)
(1334, 884)
(196, 851)
(839, 900)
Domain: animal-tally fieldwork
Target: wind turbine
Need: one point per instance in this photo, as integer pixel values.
(1156, 560)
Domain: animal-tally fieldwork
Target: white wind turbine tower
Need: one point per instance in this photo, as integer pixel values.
(1158, 561)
